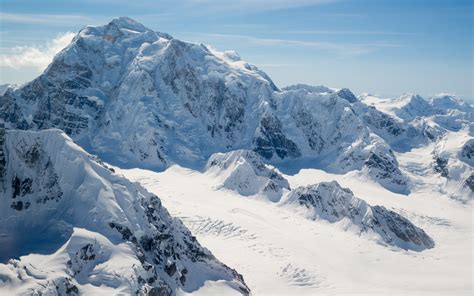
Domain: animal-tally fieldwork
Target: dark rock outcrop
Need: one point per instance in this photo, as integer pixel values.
(329, 201)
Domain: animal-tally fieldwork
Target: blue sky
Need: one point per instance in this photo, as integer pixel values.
(378, 46)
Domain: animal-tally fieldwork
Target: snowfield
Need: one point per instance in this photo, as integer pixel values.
(280, 253)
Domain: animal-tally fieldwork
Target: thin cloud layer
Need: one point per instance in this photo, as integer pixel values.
(43, 19)
(35, 56)
(341, 49)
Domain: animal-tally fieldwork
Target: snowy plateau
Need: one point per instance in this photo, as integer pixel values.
(140, 164)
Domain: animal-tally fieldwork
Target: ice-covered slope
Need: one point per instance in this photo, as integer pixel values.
(329, 201)
(140, 98)
(70, 225)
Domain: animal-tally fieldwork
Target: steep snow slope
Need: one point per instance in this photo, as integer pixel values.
(69, 225)
(245, 172)
(280, 253)
(453, 162)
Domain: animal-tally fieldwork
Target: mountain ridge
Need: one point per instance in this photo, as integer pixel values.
(139, 98)
(90, 230)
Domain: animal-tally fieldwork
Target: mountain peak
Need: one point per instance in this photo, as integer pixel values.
(124, 23)
(121, 26)
(410, 97)
(413, 100)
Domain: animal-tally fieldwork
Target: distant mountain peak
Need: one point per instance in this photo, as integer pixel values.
(127, 23)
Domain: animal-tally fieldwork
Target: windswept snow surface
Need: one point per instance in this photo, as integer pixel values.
(282, 253)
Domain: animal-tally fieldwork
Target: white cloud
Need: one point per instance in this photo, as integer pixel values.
(49, 19)
(35, 56)
(256, 4)
(341, 49)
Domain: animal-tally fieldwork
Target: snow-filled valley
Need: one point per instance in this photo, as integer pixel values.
(140, 164)
(280, 253)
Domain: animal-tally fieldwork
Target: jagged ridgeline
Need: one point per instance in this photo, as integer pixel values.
(70, 225)
(140, 98)
(329, 201)
(246, 173)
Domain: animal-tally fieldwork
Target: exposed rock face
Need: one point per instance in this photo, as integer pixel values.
(440, 165)
(59, 202)
(469, 182)
(331, 202)
(272, 142)
(383, 165)
(3, 160)
(467, 152)
(347, 95)
(245, 172)
(139, 98)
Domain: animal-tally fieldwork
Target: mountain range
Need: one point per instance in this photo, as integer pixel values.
(123, 95)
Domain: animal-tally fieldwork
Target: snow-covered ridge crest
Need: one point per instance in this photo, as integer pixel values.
(329, 201)
(446, 110)
(89, 230)
(245, 172)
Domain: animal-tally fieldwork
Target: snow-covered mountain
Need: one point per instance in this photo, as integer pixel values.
(448, 123)
(329, 201)
(446, 111)
(70, 225)
(238, 160)
(245, 172)
(139, 98)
